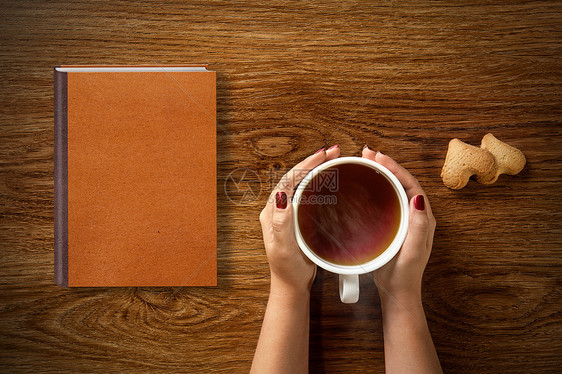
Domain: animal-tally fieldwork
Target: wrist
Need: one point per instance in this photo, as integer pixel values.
(280, 288)
(410, 299)
(406, 312)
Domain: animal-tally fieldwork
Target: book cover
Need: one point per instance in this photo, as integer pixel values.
(135, 176)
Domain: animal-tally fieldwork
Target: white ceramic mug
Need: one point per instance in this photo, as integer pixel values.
(349, 275)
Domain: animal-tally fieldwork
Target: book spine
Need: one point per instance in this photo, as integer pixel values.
(61, 179)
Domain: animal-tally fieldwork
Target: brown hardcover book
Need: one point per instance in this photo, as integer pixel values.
(135, 176)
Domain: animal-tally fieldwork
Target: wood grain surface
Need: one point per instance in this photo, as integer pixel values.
(402, 76)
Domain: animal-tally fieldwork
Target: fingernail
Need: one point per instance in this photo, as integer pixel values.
(366, 147)
(419, 202)
(281, 200)
(334, 146)
(320, 150)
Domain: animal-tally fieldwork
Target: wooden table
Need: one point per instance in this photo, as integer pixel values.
(402, 77)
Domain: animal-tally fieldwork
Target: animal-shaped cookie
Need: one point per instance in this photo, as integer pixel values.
(509, 160)
(486, 163)
(463, 161)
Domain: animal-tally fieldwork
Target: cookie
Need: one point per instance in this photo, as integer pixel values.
(508, 159)
(464, 160)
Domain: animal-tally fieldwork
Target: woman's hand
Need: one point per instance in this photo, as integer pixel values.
(401, 278)
(408, 347)
(291, 271)
(283, 342)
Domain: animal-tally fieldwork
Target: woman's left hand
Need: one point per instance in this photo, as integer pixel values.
(291, 271)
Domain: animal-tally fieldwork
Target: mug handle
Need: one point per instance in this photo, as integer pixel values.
(349, 288)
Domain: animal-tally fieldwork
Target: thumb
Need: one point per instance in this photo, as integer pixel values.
(282, 220)
(418, 228)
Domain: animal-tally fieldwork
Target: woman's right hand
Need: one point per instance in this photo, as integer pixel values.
(401, 278)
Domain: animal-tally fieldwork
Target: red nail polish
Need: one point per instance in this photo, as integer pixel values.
(320, 150)
(334, 146)
(419, 202)
(281, 200)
